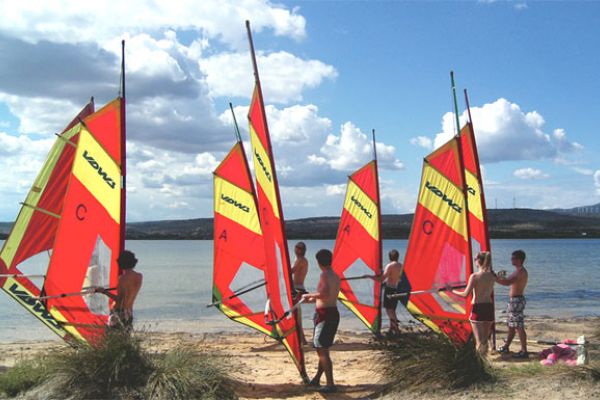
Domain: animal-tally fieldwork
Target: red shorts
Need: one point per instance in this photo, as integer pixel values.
(482, 312)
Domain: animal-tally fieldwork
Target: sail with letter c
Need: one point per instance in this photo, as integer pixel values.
(439, 251)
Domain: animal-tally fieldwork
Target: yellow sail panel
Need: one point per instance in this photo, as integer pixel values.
(264, 170)
(363, 209)
(99, 173)
(236, 204)
(474, 190)
(442, 198)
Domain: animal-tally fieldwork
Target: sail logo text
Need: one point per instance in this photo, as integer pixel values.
(94, 164)
(235, 203)
(34, 305)
(444, 197)
(363, 208)
(262, 164)
(471, 190)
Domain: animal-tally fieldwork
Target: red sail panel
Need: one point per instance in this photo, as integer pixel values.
(438, 250)
(357, 249)
(238, 244)
(278, 271)
(477, 213)
(88, 238)
(34, 231)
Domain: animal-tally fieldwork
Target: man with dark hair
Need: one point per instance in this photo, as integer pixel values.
(327, 318)
(390, 280)
(516, 303)
(130, 282)
(299, 271)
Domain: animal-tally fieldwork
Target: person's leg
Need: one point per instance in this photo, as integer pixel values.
(510, 337)
(317, 378)
(393, 320)
(523, 338)
(480, 335)
(325, 362)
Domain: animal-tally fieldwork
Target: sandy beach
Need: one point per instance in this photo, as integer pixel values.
(262, 369)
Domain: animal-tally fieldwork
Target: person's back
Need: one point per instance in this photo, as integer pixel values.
(392, 271)
(483, 286)
(329, 287)
(130, 283)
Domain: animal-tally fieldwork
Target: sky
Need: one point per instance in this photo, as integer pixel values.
(331, 72)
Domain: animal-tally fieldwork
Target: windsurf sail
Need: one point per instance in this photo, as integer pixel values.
(439, 251)
(239, 257)
(69, 229)
(357, 249)
(277, 265)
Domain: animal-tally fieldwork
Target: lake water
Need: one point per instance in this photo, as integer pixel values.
(564, 281)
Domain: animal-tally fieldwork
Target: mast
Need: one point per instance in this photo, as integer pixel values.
(379, 224)
(123, 150)
(463, 176)
(455, 103)
(235, 124)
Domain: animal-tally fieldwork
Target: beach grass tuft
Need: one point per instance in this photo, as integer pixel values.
(24, 375)
(119, 367)
(114, 367)
(187, 374)
(424, 362)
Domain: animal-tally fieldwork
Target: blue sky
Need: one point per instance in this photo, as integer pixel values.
(331, 71)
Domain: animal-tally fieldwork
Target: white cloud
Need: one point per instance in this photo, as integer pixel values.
(283, 76)
(530, 173)
(521, 6)
(597, 181)
(70, 21)
(352, 148)
(504, 132)
(583, 171)
(422, 141)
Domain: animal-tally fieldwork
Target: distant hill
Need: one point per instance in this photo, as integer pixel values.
(589, 211)
(504, 223)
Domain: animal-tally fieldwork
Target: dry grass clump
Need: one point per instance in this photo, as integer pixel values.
(426, 362)
(119, 368)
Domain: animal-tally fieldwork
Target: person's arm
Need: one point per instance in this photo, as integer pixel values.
(379, 278)
(508, 281)
(106, 292)
(467, 290)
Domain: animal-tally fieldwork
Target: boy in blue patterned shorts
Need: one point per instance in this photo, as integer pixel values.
(516, 304)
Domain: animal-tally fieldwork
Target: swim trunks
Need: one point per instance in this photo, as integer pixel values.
(120, 319)
(482, 312)
(390, 303)
(326, 323)
(515, 308)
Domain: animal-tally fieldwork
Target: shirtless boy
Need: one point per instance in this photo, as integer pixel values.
(299, 271)
(516, 303)
(390, 279)
(130, 282)
(327, 318)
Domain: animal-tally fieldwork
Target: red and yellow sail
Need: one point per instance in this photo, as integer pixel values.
(238, 244)
(439, 251)
(277, 267)
(70, 227)
(357, 249)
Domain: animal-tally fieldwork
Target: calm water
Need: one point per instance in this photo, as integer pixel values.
(564, 282)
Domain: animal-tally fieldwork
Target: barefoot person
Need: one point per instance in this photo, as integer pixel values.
(299, 271)
(130, 282)
(390, 280)
(516, 304)
(327, 318)
(481, 284)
